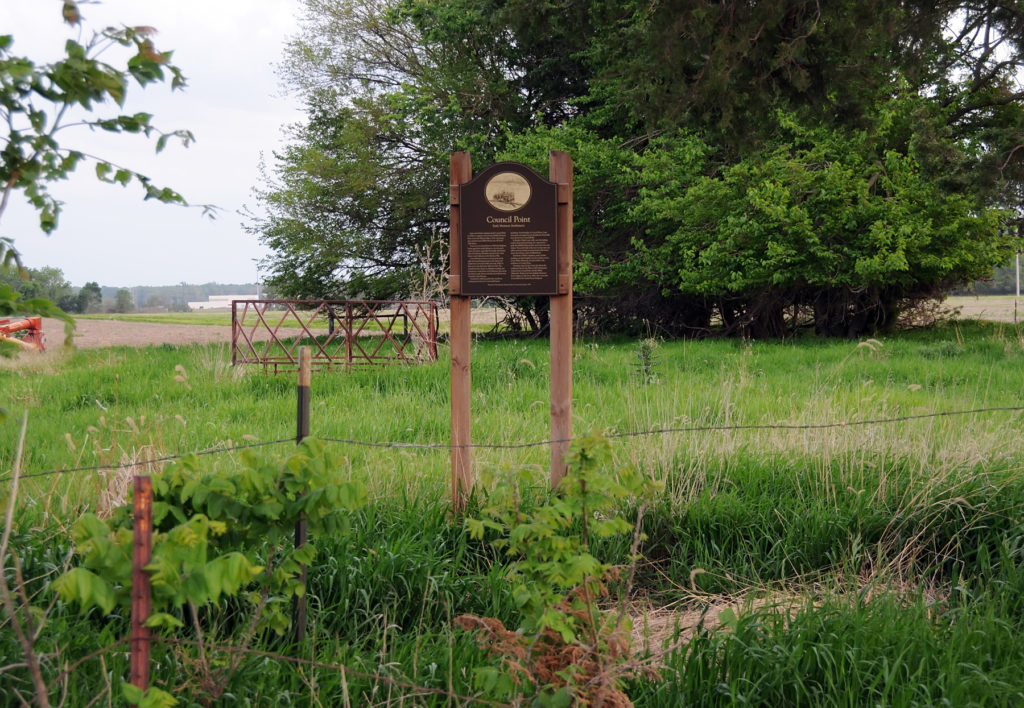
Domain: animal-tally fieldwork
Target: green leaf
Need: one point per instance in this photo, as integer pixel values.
(214, 575)
(162, 619)
(133, 694)
(270, 510)
(156, 698)
(475, 528)
(197, 588)
(84, 587)
(74, 50)
(188, 490)
(561, 698)
(304, 554)
(38, 120)
(352, 495)
(152, 698)
(215, 505)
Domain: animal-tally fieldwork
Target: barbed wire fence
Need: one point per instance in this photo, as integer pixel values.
(398, 445)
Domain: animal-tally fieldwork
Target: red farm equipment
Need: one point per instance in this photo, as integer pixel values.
(32, 327)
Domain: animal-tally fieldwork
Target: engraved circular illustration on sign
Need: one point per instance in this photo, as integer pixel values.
(507, 191)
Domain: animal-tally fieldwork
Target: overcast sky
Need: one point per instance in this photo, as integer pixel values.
(233, 104)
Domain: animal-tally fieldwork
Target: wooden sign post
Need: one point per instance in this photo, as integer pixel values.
(560, 171)
(510, 234)
(462, 458)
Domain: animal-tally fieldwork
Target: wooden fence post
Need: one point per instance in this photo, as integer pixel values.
(301, 533)
(142, 597)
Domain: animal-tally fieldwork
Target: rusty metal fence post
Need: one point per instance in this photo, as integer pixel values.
(142, 597)
(433, 315)
(348, 335)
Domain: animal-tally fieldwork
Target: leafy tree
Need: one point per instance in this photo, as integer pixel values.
(816, 222)
(46, 282)
(362, 186)
(90, 297)
(123, 300)
(69, 304)
(816, 229)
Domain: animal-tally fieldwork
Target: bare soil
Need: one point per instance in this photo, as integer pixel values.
(995, 308)
(92, 334)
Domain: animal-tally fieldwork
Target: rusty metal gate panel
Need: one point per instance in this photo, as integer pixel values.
(342, 334)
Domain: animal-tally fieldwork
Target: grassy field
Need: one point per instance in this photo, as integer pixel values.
(863, 563)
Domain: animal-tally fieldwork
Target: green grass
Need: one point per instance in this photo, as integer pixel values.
(221, 318)
(861, 565)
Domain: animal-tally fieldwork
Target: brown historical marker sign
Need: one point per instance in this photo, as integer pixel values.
(508, 232)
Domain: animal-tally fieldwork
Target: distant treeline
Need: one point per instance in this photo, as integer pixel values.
(1002, 282)
(177, 297)
(50, 284)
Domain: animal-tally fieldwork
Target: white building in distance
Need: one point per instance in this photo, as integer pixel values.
(219, 302)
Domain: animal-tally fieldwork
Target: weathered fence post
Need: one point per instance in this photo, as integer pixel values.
(302, 432)
(142, 598)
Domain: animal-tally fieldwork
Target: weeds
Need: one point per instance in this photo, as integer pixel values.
(646, 360)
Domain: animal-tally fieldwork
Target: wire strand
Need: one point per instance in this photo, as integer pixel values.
(540, 443)
(686, 429)
(153, 460)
